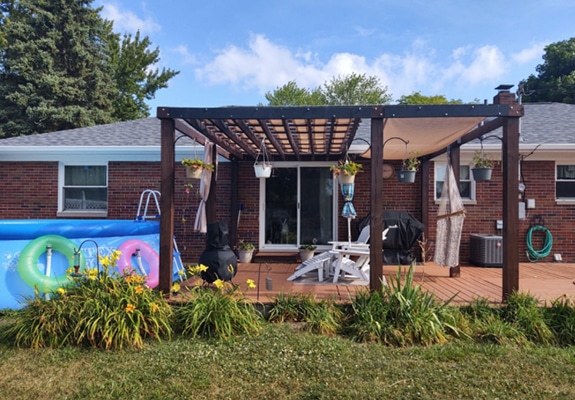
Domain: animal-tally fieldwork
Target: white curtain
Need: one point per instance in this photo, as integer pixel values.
(450, 217)
(200, 224)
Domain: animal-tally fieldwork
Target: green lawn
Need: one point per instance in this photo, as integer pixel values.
(285, 363)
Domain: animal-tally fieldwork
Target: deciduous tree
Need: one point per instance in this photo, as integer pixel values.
(555, 80)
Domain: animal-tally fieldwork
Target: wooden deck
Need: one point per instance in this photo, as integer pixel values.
(546, 281)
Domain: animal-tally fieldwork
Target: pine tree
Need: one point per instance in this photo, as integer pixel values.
(55, 71)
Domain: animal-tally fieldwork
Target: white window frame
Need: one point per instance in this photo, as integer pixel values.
(437, 178)
(61, 180)
(265, 247)
(563, 199)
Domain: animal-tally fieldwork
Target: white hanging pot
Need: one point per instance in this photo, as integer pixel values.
(194, 173)
(262, 170)
(346, 178)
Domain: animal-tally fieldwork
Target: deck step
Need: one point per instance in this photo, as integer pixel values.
(275, 257)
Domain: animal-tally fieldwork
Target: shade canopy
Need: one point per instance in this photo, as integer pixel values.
(423, 135)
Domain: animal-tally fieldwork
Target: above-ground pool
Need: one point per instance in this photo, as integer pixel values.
(38, 253)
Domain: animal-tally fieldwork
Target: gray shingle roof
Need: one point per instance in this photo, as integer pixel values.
(141, 132)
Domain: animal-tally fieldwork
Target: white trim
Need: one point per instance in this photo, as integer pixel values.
(93, 154)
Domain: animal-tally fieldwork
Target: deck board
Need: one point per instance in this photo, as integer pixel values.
(546, 281)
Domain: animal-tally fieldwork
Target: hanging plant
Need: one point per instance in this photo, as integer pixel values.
(346, 170)
(482, 166)
(262, 165)
(195, 166)
(409, 167)
(411, 163)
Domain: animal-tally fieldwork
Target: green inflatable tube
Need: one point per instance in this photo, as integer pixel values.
(28, 262)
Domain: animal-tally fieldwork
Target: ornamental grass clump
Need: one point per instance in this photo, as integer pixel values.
(219, 311)
(401, 314)
(560, 317)
(100, 309)
(524, 311)
(323, 317)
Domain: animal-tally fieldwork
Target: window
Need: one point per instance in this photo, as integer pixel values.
(466, 186)
(565, 183)
(85, 188)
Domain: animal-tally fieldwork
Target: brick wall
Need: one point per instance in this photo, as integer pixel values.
(29, 190)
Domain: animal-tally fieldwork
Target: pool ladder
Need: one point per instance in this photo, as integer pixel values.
(148, 195)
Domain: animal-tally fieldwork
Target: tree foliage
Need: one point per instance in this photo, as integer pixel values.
(555, 80)
(135, 81)
(62, 67)
(352, 89)
(418, 98)
(291, 95)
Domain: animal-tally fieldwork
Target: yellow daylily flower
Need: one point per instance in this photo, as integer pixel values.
(130, 308)
(251, 284)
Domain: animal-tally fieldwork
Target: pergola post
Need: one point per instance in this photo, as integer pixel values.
(376, 206)
(510, 157)
(167, 189)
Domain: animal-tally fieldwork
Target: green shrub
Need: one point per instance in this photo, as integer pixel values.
(401, 314)
(291, 307)
(560, 317)
(322, 317)
(101, 310)
(368, 316)
(525, 312)
(221, 311)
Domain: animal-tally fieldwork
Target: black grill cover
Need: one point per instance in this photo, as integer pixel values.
(399, 242)
(218, 256)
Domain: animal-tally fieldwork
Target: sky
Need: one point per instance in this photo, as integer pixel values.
(232, 52)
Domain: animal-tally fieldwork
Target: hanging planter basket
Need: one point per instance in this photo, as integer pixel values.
(481, 174)
(343, 179)
(262, 170)
(262, 166)
(194, 172)
(407, 176)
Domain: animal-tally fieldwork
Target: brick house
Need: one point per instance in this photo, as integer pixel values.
(123, 160)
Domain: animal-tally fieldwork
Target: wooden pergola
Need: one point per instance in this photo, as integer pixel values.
(326, 133)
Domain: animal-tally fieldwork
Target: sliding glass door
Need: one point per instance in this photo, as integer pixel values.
(298, 207)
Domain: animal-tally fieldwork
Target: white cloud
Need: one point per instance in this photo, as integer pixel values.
(185, 56)
(265, 65)
(127, 21)
(535, 52)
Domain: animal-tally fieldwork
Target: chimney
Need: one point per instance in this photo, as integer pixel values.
(504, 96)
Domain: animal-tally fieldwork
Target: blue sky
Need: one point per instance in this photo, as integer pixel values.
(231, 52)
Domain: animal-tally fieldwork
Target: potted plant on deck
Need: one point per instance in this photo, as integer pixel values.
(346, 170)
(409, 167)
(195, 167)
(245, 251)
(306, 251)
(482, 166)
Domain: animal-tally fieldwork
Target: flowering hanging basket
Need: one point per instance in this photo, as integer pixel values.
(195, 167)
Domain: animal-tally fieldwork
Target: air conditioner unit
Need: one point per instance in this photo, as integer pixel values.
(486, 250)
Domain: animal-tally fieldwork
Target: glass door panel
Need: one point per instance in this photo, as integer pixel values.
(316, 214)
(281, 207)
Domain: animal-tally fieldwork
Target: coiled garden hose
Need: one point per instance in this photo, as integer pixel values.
(534, 255)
